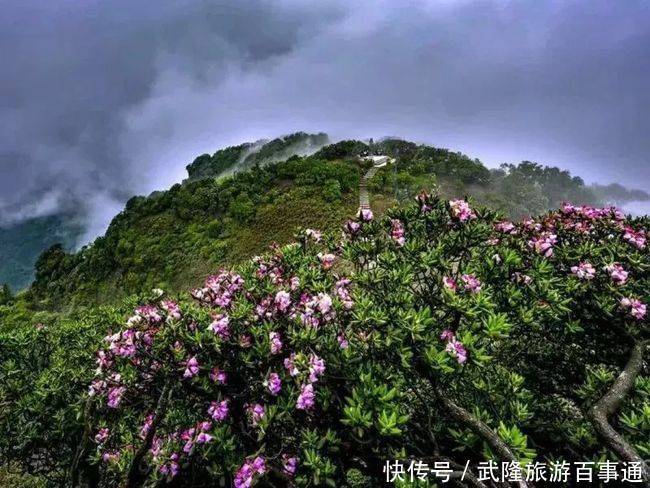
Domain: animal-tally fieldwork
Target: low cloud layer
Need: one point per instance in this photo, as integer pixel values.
(103, 100)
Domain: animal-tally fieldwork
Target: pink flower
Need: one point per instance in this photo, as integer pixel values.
(115, 395)
(282, 300)
(352, 227)
(324, 302)
(289, 364)
(218, 376)
(584, 271)
(447, 335)
(521, 278)
(472, 283)
(218, 410)
(316, 367)
(146, 426)
(306, 397)
(460, 210)
(256, 413)
(221, 326)
(97, 386)
(314, 234)
(506, 227)
(327, 260)
(289, 465)
(449, 283)
(246, 474)
(171, 468)
(397, 232)
(457, 350)
(203, 438)
(294, 283)
(273, 383)
(110, 456)
(343, 342)
(102, 435)
(172, 309)
(636, 238)
(191, 367)
(617, 273)
(637, 308)
(276, 342)
(343, 293)
(365, 215)
(543, 244)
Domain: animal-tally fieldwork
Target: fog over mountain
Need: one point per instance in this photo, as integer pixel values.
(103, 100)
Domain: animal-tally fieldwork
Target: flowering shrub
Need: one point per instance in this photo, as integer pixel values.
(440, 332)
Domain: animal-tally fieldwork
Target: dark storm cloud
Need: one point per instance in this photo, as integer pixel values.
(100, 100)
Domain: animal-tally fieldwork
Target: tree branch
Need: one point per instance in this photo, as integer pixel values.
(134, 475)
(479, 428)
(610, 403)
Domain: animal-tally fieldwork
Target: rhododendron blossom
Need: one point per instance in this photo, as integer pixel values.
(221, 326)
(276, 342)
(191, 367)
(449, 283)
(115, 395)
(543, 244)
(289, 465)
(218, 410)
(472, 283)
(316, 367)
(636, 238)
(365, 215)
(397, 232)
(218, 376)
(306, 398)
(617, 273)
(461, 210)
(314, 234)
(506, 227)
(246, 474)
(352, 227)
(637, 308)
(256, 413)
(274, 384)
(584, 271)
(282, 301)
(327, 260)
(102, 435)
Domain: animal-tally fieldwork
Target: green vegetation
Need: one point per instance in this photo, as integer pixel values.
(440, 332)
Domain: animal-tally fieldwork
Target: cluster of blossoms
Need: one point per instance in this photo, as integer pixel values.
(397, 232)
(636, 238)
(461, 210)
(636, 308)
(423, 200)
(617, 273)
(506, 227)
(246, 474)
(220, 289)
(313, 369)
(543, 243)
(584, 271)
(454, 347)
(470, 283)
(313, 234)
(326, 259)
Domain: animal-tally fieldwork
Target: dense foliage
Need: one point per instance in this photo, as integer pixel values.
(439, 332)
(173, 238)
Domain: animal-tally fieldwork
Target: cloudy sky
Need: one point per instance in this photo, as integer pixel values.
(103, 99)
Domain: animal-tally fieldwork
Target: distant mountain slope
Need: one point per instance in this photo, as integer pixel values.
(247, 155)
(21, 244)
